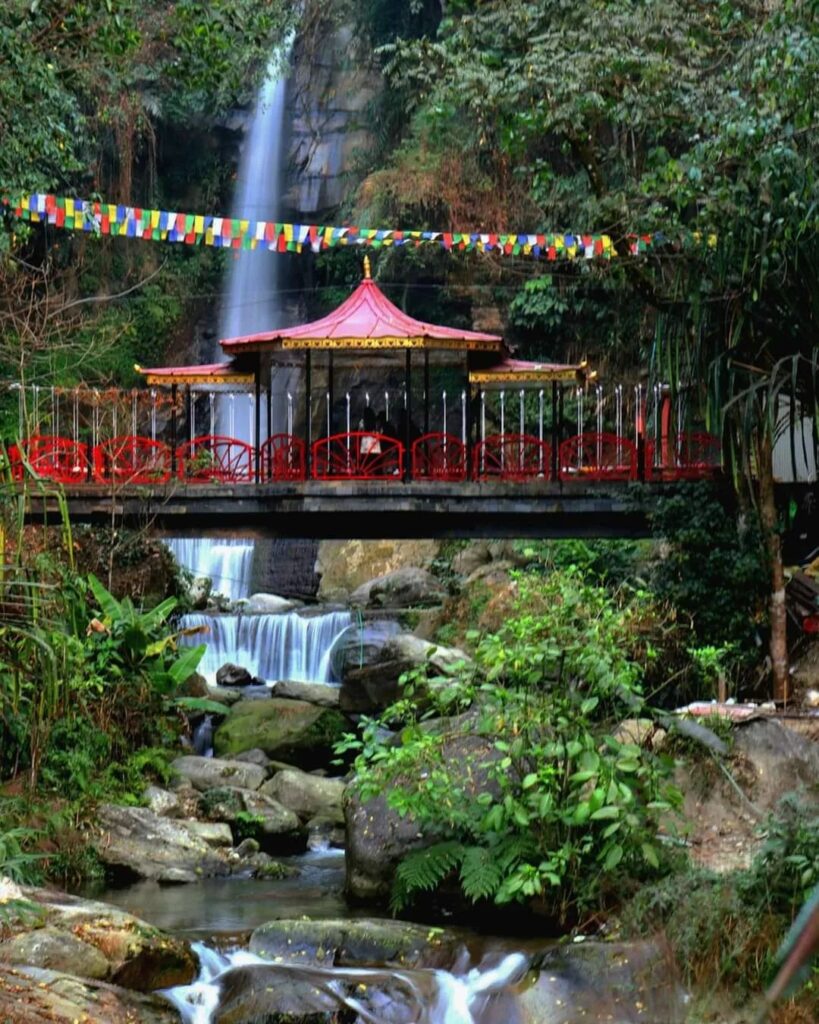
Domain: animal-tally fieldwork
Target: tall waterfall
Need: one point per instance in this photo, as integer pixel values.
(270, 647)
(228, 561)
(251, 299)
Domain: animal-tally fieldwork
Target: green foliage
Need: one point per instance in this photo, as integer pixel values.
(16, 862)
(247, 826)
(530, 795)
(609, 562)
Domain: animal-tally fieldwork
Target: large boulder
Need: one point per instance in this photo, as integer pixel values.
(378, 837)
(308, 795)
(323, 694)
(269, 604)
(233, 675)
(56, 950)
(214, 773)
(355, 943)
(360, 645)
(408, 587)
(273, 819)
(253, 993)
(375, 685)
(294, 731)
(345, 564)
(139, 842)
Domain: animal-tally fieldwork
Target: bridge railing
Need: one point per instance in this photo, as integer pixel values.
(358, 455)
(213, 457)
(598, 456)
(54, 458)
(283, 457)
(132, 460)
(439, 457)
(511, 457)
(694, 456)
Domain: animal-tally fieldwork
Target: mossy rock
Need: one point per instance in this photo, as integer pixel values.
(294, 731)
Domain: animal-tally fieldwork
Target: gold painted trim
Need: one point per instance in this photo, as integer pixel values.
(526, 376)
(457, 345)
(192, 378)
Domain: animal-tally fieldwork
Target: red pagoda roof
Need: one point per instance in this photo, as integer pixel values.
(367, 319)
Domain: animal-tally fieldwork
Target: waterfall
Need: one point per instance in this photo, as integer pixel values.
(270, 647)
(251, 301)
(421, 996)
(227, 561)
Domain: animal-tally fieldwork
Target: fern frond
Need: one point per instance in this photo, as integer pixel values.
(424, 871)
(481, 875)
(513, 849)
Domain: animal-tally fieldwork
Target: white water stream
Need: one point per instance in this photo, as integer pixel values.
(401, 996)
(227, 561)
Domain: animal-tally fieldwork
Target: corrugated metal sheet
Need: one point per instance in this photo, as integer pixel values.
(794, 461)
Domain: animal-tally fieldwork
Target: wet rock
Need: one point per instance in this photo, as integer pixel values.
(138, 841)
(360, 645)
(223, 695)
(162, 802)
(233, 675)
(356, 943)
(194, 686)
(211, 773)
(323, 694)
(294, 731)
(308, 795)
(255, 756)
(247, 848)
(199, 592)
(407, 587)
(323, 833)
(374, 686)
(262, 865)
(273, 818)
(56, 950)
(346, 565)
(258, 992)
(29, 995)
(269, 604)
(215, 834)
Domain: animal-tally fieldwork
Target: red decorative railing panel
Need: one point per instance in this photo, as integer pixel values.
(57, 458)
(283, 457)
(14, 462)
(359, 455)
(511, 457)
(132, 460)
(215, 458)
(697, 457)
(594, 456)
(438, 457)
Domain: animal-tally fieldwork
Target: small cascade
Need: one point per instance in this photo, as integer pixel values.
(402, 996)
(270, 647)
(228, 561)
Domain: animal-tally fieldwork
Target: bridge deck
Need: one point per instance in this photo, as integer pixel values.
(361, 509)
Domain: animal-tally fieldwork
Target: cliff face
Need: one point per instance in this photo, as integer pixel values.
(333, 94)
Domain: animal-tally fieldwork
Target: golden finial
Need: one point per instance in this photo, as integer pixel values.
(367, 274)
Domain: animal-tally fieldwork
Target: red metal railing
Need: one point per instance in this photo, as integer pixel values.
(282, 457)
(696, 456)
(132, 460)
(213, 457)
(596, 456)
(359, 455)
(438, 457)
(511, 457)
(57, 458)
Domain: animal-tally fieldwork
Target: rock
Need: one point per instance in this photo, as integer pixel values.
(199, 592)
(233, 675)
(223, 695)
(378, 837)
(375, 685)
(360, 645)
(323, 833)
(56, 950)
(345, 565)
(212, 773)
(9, 890)
(274, 819)
(221, 804)
(292, 730)
(269, 604)
(255, 756)
(194, 686)
(643, 732)
(76, 932)
(162, 802)
(468, 559)
(262, 992)
(29, 995)
(247, 848)
(407, 587)
(213, 833)
(262, 865)
(308, 795)
(355, 943)
(596, 981)
(137, 840)
(325, 695)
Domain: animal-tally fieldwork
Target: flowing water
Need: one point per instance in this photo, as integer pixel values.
(227, 561)
(292, 645)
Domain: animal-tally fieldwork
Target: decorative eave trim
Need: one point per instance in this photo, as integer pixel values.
(429, 344)
(165, 380)
(570, 374)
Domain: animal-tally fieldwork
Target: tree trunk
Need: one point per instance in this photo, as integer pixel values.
(773, 543)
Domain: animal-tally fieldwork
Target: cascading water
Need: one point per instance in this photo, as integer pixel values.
(375, 995)
(270, 647)
(227, 561)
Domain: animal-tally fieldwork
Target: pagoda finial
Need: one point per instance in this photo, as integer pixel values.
(367, 274)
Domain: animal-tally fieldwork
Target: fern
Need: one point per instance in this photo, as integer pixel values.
(424, 871)
(481, 874)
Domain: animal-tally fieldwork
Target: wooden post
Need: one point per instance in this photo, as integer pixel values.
(408, 412)
(174, 392)
(557, 409)
(269, 421)
(426, 390)
(257, 411)
(308, 407)
(468, 452)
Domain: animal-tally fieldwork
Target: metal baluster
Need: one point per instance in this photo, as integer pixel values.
(327, 398)
(463, 418)
(503, 428)
(212, 412)
(443, 398)
(232, 415)
(387, 405)
(579, 397)
(251, 413)
(599, 391)
(483, 430)
(153, 414)
(540, 431)
(658, 453)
